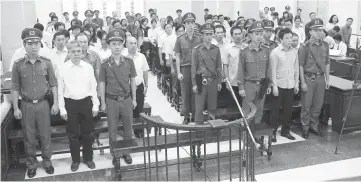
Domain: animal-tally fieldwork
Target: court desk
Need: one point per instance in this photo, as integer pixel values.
(337, 98)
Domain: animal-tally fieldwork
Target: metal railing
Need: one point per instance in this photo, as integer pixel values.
(233, 146)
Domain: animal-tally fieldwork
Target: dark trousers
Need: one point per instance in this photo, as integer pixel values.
(140, 101)
(236, 92)
(80, 128)
(284, 100)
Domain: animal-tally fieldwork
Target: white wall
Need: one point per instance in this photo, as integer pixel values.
(169, 7)
(279, 5)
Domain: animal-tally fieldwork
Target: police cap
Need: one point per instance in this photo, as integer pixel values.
(89, 13)
(75, 13)
(179, 10)
(248, 22)
(269, 25)
(256, 26)
(287, 7)
(130, 18)
(31, 35)
(115, 35)
(316, 23)
(207, 27)
(188, 16)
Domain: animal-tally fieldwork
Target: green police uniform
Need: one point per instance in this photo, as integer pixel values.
(208, 63)
(118, 92)
(314, 68)
(269, 25)
(184, 46)
(32, 81)
(251, 70)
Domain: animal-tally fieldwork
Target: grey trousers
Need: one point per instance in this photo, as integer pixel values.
(188, 99)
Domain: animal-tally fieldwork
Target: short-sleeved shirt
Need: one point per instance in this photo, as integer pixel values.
(231, 60)
(135, 31)
(110, 72)
(93, 59)
(167, 43)
(33, 80)
(184, 46)
(320, 51)
(141, 65)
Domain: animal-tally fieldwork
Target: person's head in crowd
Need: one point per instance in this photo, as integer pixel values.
(162, 22)
(75, 14)
(89, 14)
(285, 15)
(287, 8)
(73, 22)
(312, 15)
(219, 32)
(117, 23)
(316, 29)
(189, 20)
(295, 40)
(59, 40)
(261, 15)
(216, 23)
(169, 19)
(272, 9)
(130, 20)
(52, 14)
(155, 11)
(54, 19)
(127, 34)
(281, 22)
(206, 11)
(138, 16)
(32, 40)
(349, 22)
(154, 16)
(289, 23)
(215, 17)
(116, 40)
(102, 37)
(179, 29)
(335, 30)
(137, 23)
(75, 30)
(144, 22)
(132, 44)
(255, 32)
(208, 19)
(268, 30)
(333, 19)
(96, 13)
(66, 16)
(221, 18)
(179, 12)
(207, 31)
(150, 11)
(114, 14)
(274, 16)
(298, 21)
(91, 29)
(83, 39)
(39, 26)
(153, 23)
(236, 33)
(266, 10)
(123, 23)
(277, 30)
(107, 19)
(127, 14)
(58, 26)
(285, 36)
(241, 20)
(337, 38)
(299, 11)
(75, 50)
(168, 28)
(111, 21)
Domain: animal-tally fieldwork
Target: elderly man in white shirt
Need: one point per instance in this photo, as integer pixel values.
(78, 104)
(141, 80)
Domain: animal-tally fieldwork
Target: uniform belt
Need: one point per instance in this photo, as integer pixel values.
(117, 97)
(32, 100)
(254, 81)
(186, 64)
(310, 73)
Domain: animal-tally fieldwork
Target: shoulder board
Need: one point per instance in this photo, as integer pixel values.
(197, 46)
(44, 58)
(127, 58)
(214, 45)
(264, 45)
(105, 60)
(180, 35)
(20, 59)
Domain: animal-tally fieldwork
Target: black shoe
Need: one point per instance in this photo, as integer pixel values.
(192, 120)
(288, 135)
(186, 121)
(128, 159)
(274, 137)
(49, 170)
(138, 133)
(31, 173)
(316, 132)
(305, 134)
(114, 162)
(90, 164)
(74, 166)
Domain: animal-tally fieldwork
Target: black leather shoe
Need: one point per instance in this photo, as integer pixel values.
(49, 170)
(305, 134)
(274, 137)
(288, 135)
(128, 159)
(316, 132)
(74, 166)
(186, 121)
(31, 173)
(90, 164)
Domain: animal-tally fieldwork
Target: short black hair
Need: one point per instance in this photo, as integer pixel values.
(240, 17)
(299, 9)
(284, 31)
(206, 9)
(208, 17)
(59, 34)
(336, 28)
(235, 28)
(82, 33)
(265, 8)
(138, 14)
(150, 10)
(272, 8)
(215, 16)
(330, 20)
(153, 21)
(116, 21)
(178, 26)
(108, 17)
(101, 33)
(122, 20)
(219, 26)
(96, 11)
(275, 14)
(65, 13)
(289, 20)
(153, 14)
(298, 17)
(126, 12)
(39, 26)
(58, 24)
(349, 19)
(220, 15)
(311, 13)
(53, 17)
(337, 37)
(326, 33)
(143, 20)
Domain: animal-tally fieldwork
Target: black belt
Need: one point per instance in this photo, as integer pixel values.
(117, 97)
(32, 100)
(310, 73)
(185, 65)
(254, 81)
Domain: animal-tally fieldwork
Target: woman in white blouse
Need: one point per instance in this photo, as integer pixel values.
(332, 22)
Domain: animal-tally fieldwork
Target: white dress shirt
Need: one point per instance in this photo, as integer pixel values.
(58, 58)
(301, 33)
(76, 82)
(104, 54)
(232, 60)
(342, 47)
(140, 64)
(67, 24)
(166, 44)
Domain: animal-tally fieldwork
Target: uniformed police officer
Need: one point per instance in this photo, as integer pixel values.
(118, 90)
(206, 61)
(252, 69)
(247, 24)
(183, 50)
(268, 31)
(314, 63)
(76, 20)
(31, 77)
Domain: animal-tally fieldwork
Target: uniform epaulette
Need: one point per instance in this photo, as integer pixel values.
(105, 60)
(214, 45)
(20, 59)
(266, 46)
(197, 46)
(180, 35)
(44, 58)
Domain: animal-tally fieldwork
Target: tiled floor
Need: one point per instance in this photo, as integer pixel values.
(309, 158)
